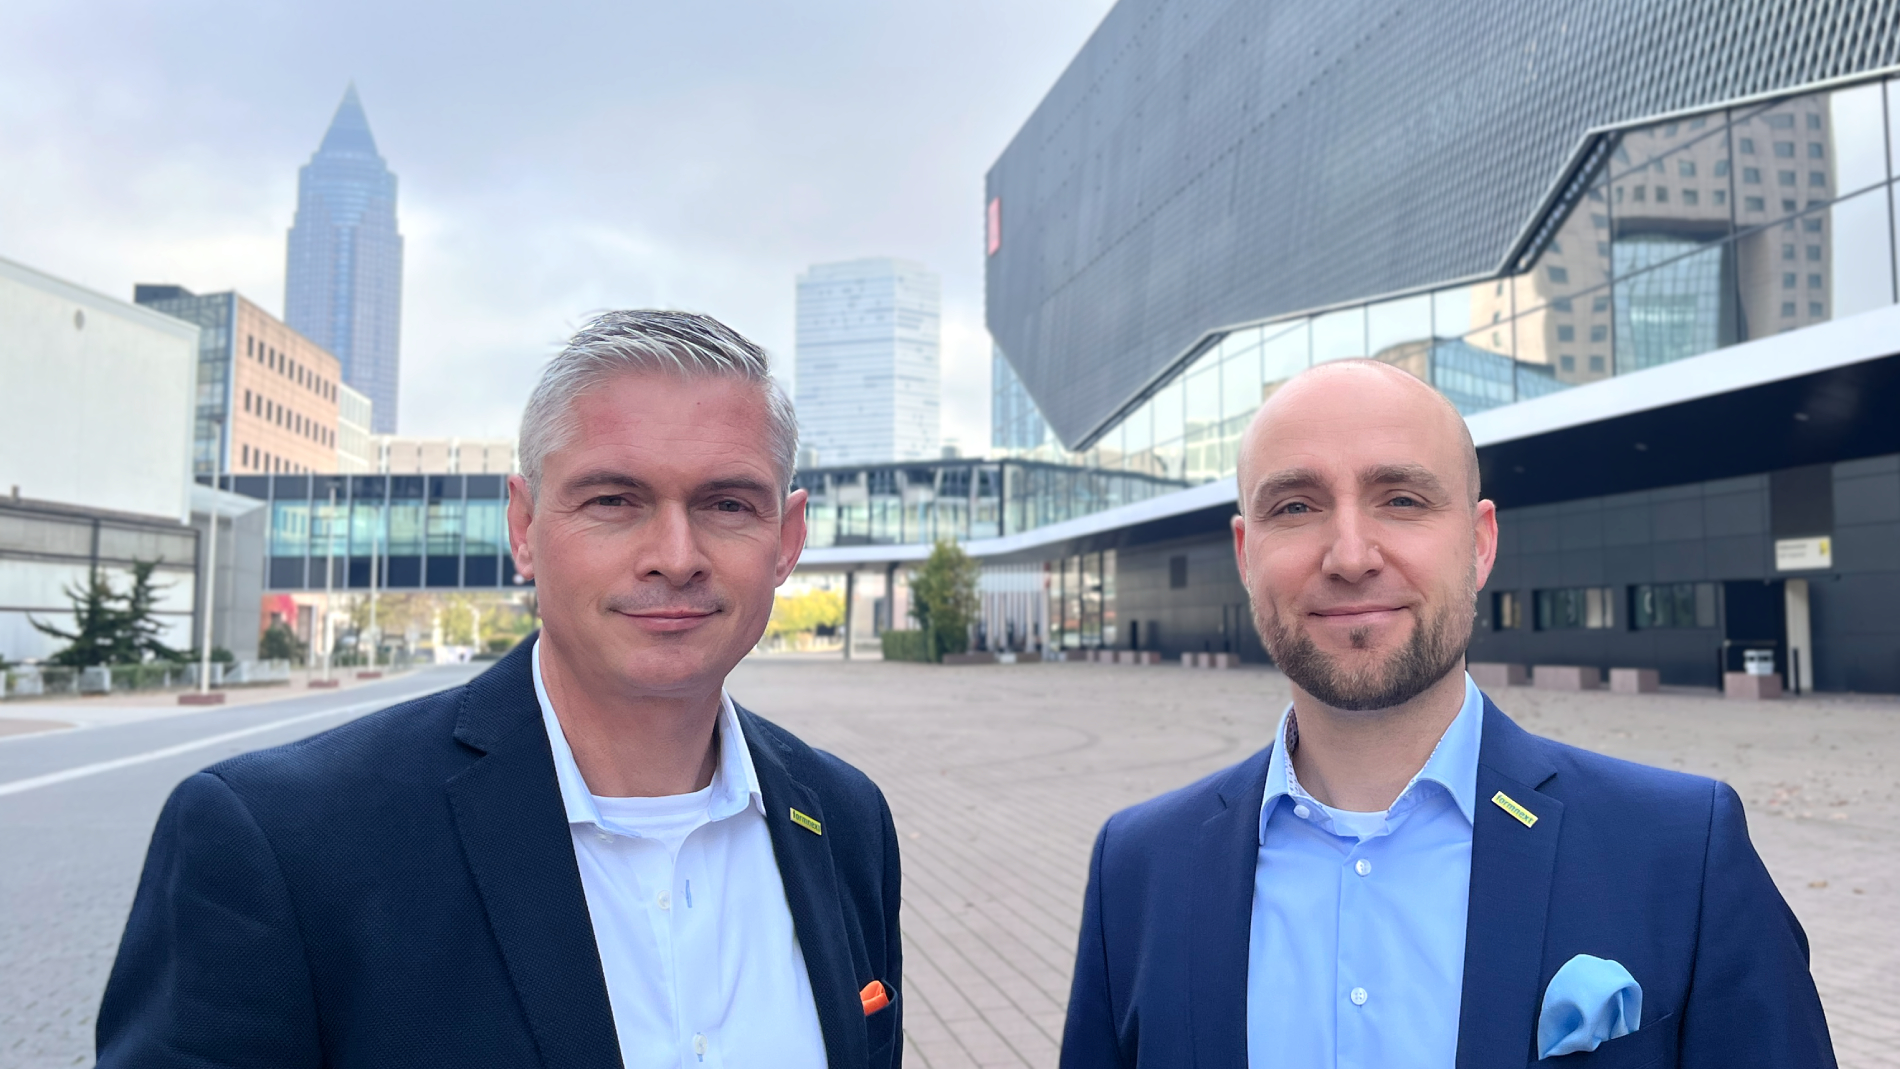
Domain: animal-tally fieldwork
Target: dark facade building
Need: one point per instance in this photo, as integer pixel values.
(1648, 250)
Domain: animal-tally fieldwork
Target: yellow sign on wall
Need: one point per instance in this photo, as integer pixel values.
(1803, 554)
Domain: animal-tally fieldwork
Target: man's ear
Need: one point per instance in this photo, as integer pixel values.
(1486, 519)
(520, 517)
(791, 534)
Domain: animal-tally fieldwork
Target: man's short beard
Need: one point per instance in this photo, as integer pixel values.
(1436, 647)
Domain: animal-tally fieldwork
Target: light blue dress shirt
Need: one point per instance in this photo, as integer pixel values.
(1357, 952)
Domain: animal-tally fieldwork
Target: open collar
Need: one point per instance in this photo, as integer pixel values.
(1453, 764)
(735, 784)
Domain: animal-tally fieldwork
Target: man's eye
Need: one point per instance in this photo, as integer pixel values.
(1295, 508)
(730, 506)
(610, 500)
(1403, 500)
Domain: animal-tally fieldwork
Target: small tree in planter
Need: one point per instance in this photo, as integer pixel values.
(110, 627)
(280, 643)
(943, 599)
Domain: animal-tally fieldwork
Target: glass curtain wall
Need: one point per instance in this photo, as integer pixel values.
(1682, 237)
(1082, 601)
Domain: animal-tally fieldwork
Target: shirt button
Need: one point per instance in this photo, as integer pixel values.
(603, 837)
(1362, 867)
(665, 900)
(1358, 996)
(699, 1044)
(1302, 812)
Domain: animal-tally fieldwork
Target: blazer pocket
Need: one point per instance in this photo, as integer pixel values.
(1652, 1045)
(881, 1037)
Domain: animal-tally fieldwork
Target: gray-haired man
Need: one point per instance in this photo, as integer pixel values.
(589, 855)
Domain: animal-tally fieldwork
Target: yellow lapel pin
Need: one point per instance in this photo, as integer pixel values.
(816, 828)
(1509, 805)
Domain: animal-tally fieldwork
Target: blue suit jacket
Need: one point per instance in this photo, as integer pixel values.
(403, 891)
(1650, 868)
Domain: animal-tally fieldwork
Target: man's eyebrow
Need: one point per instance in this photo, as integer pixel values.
(603, 478)
(1281, 482)
(743, 483)
(1403, 475)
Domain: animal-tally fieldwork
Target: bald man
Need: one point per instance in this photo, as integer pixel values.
(1404, 877)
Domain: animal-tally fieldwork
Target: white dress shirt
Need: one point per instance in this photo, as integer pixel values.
(695, 936)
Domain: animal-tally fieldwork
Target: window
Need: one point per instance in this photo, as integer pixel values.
(1642, 193)
(1784, 150)
(1787, 252)
(1599, 303)
(1787, 308)
(1815, 151)
(1815, 309)
(1814, 254)
(1566, 332)
(1787, 205)
(1690, 196)
(1721, 196)
(1600, 332)
(1568, 363)
(1786, 178)
(1560, 304)
(1557, 274)
(1754, 204)
(1685, 168)
(1662, 194)
(1721, 168)
(1598, 219)
(1596, 364)
(1812, 224)
(1672, 605)
(246, 454)
(1814, 282)
(1507, 611)
(1573, 608)
(1814, 120)
(1817, 179)
(1177, 573)
(1746, 146)
(1787, 281)
(1751, 175)
(1781, 122)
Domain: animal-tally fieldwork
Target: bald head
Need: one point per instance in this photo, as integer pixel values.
(1352, 396)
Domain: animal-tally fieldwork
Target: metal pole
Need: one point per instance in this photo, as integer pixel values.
(211, 562)
(375, 540)
(329, 580)
(850, 608)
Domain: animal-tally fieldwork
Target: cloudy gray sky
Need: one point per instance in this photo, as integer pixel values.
(554, 158)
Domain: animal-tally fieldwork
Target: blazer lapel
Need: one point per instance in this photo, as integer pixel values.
(1219, 921)
(830, 950)
(1512, 867)
(514, 833)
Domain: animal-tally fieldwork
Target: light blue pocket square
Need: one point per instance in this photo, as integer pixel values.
(1588, 1001)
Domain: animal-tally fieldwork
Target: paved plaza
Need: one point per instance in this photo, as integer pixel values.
(999, 777)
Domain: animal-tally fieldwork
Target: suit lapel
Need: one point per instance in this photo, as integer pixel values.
(1512, 868)
(514, 833)
(1220, 918)
(811, 891)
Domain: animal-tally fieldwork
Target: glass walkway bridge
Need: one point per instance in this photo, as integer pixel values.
(450, 532)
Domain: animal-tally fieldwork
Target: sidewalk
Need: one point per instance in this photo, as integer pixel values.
(54, 712)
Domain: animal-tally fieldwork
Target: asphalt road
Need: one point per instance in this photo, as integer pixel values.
(76, 811)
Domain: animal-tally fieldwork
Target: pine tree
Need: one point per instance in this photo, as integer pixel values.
(110, 627)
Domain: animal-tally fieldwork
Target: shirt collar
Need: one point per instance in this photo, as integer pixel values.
(735, 783)
(1453, 764)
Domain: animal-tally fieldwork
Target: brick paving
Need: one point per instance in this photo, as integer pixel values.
(999, 777)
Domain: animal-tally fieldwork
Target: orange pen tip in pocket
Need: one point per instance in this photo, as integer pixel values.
(875, 997)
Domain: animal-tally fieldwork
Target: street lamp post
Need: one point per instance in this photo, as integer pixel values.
(204, 696)
(375, 636)
(329, 585)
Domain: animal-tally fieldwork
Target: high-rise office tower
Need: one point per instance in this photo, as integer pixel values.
(343, 283)
(869, 377)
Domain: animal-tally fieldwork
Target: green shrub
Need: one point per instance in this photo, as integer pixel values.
(908, 646)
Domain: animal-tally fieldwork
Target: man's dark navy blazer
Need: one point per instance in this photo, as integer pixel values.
(1646, 867)
(403, 891)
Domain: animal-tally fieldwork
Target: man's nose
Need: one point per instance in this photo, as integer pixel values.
(1354, 553)
(671, 551)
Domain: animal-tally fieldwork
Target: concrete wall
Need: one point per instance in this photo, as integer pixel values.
(46, 550)
(1209, 614)
(98, 395)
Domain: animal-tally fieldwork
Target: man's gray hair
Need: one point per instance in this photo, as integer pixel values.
(636, 340)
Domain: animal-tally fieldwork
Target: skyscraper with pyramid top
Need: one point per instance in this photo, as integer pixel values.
(343, 282)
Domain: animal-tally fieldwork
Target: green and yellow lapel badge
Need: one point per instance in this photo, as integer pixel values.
(816, 828)
(1509, 805)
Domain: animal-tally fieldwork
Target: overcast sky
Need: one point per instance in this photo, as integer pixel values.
(554, 159)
